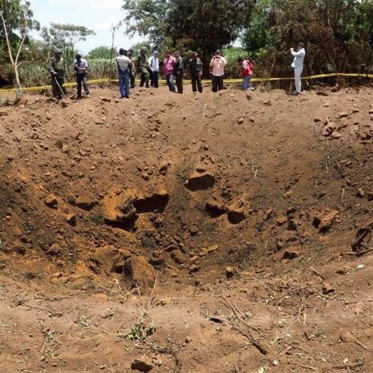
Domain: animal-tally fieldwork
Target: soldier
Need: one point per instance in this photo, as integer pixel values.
(57, 69)
(133, 67)
(80, 69)
(143, 68)
(179, 71)
(195, 68)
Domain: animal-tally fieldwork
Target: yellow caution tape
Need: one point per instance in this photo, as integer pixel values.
(108, 80)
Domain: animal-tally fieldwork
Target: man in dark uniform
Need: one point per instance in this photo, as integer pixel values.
(132, 68)
(195, 68)
(143, 66)
(57, 69)
(179, 71)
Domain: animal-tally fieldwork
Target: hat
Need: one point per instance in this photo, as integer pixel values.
(57, 50)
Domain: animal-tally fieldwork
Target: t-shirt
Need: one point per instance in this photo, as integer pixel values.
(154, 63)
(168, 65)
(81, 66)
(123, 62)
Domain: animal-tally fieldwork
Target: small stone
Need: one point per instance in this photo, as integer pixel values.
(327, 221)
(291, 253)
(360, 192)
(327, 289)
(229, 272)
(51, 201)
(240, 120)
(142, 365)
(71, 219)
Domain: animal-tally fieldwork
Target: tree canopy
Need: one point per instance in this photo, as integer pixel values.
(65, 36)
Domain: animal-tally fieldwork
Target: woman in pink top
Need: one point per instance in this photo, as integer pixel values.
(217, 66)
(168, 70)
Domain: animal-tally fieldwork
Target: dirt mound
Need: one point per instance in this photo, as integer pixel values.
(246, 219)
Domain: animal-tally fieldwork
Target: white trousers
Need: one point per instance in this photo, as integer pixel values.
(298, 81)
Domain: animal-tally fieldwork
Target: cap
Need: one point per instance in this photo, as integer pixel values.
(57, 50)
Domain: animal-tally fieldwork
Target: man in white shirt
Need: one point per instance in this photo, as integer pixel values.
(297, 65)
(217, 66)
(154, 66)
(80, 69)
(124, 64)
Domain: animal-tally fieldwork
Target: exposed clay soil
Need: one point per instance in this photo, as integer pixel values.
(225, 232)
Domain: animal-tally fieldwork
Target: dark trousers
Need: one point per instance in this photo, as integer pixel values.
(144, 77)
(217, 83)
(56, 90)
(82, 78)
(196, 83)
(154, 78)
(179, 83)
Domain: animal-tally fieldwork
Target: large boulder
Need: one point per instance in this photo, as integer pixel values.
(139, 274)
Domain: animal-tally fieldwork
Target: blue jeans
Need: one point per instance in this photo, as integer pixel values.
(246, 83)
(124, 86)
(170, 82)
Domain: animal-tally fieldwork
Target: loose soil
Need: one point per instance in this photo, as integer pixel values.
(226, 232)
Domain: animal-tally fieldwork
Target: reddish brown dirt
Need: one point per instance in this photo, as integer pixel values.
(189, 232)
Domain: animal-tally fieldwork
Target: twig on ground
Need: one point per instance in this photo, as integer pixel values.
(305, 367)
(238, 316)
(236, 367)
(246, 334)
(358, 363)
(313, 270)
(360, 344)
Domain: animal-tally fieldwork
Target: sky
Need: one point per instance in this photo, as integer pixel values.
(97, 15)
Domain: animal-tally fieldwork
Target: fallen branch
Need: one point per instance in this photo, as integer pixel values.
(313, 270)
(246, 334)
(253, 341)
(305, 367)
(359, 363)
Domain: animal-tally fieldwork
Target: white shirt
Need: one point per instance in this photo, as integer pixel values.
(83, 65)
(123, 62)
(218, 63)
(154, 63)
(298, 57)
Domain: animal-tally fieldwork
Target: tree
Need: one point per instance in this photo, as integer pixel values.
(65, 36)
(188, 24)
(147, 18)
(337, 34)
(16, 18)
(100, 52)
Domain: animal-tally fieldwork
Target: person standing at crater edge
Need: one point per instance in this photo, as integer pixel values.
(168, 70)
(80, 68)
(57, 69)
(124, 64)
(217, 66)
(297, 65)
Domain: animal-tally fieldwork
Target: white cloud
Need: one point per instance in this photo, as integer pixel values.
(108, 4)
(105, 25)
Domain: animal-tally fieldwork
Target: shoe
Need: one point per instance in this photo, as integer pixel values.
(87, 95)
